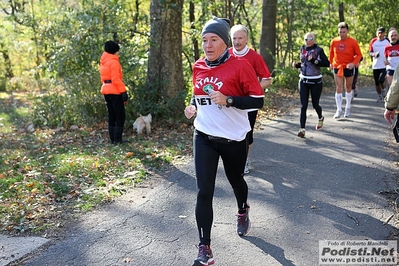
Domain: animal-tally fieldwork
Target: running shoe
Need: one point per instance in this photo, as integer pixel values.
(246, 168)
(380, 99)
(347, 112)
(355, 93)
(301, 133)
(383, 93)
(205, 256)
(243, 223)
(338, 114)
(320, 124)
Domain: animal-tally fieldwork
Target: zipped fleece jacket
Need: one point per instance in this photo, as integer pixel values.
(110, 69)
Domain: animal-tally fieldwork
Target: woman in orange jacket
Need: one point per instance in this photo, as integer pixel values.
(114, 90)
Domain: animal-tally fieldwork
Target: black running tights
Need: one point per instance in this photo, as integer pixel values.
(206, 158)
(315, 91)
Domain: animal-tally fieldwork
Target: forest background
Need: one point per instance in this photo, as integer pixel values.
(54, 155)
(54, 46)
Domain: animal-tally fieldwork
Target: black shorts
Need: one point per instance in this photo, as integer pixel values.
(347, 72)
(390, 72)
(379, 76)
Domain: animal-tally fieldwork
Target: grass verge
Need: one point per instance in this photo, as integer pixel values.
(46, 175)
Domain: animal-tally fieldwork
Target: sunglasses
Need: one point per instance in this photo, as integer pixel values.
(309, 39)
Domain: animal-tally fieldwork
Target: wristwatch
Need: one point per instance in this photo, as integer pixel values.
(229, 101)
(316, 62)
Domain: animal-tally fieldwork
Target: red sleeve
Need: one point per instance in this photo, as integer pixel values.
(371, 45)
(386, 54)
(261, 69)
(249, 81)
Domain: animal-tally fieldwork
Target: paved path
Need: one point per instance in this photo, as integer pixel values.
(301, 191)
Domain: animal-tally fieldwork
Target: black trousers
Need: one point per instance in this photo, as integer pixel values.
(116, 110)
(206, 158)
(314, 89)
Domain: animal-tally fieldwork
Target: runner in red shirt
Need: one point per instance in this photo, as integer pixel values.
(391, 54)
(239, 38)
(225, 87)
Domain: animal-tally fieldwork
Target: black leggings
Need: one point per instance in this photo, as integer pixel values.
(116, 110)
(355, 76)
(315, 91)
(206, 157)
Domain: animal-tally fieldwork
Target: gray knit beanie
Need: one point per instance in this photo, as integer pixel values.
(219, 26)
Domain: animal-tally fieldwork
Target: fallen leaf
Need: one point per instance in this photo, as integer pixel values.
(127, 260)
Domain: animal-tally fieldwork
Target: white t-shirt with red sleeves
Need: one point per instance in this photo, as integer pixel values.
(392, 54)
(235, 77)
(377, 45)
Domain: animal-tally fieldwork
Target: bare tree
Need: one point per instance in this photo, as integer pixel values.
(165, 82)
(341, 12)
(7, 61)
(267, 47)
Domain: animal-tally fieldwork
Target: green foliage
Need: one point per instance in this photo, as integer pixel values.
(288, 78)
(64, 109)
(75, 55)
(285, 78)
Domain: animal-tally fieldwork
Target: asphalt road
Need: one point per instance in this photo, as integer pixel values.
(324, 187)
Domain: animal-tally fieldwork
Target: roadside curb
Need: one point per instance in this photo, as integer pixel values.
(14, 248)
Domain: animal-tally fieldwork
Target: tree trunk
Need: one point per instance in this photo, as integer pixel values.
(165, 82)
(341, 12)
(289, 35)
(194, 39)
(267, 44)
(8, 68)
(7, 62)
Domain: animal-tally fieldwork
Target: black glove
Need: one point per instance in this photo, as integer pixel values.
(297, 65)
(125, 96)
(312, 60)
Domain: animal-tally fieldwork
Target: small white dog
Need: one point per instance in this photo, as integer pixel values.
(141, 123)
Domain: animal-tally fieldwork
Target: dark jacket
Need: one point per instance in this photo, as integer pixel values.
(318, 59)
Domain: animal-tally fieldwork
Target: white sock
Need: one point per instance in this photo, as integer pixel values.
(348, 96)
(338, 101)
